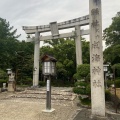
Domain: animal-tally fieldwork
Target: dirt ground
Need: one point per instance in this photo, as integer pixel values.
(29, 105)
(19, 108)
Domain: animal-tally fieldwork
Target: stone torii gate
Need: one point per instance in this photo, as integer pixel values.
(54, 27)
(94, 20)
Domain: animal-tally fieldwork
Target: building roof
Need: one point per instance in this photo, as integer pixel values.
(48, 58)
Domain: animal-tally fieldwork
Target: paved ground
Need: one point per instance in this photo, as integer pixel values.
(85, 114)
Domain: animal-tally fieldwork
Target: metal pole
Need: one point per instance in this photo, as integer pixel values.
(48, 100)
(115, 90)
(105, 81)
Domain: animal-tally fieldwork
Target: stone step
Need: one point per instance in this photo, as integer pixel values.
(37, 94)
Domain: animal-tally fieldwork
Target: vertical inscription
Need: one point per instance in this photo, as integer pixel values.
(96, 59)
(97, 83)
(97, 2)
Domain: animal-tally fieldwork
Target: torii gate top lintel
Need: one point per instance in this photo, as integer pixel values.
(81, 21)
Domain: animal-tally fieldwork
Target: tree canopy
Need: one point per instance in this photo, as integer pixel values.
(112, 33)
(18, 55)
(64, 51)
(112, 38)
(6, 31)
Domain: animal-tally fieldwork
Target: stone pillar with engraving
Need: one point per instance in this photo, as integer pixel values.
(96, 59)
(78, 45)
(36, 60)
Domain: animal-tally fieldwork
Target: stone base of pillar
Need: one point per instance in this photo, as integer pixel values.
(11, 86)
(48, 111)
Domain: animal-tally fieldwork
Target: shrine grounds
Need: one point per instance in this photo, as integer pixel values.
(28, 104)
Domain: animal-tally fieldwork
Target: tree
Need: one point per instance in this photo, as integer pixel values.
(112, 38)
(64, 51)
(6, 31)
(112, 54)
(83, 72)
(112, 33)
(116, 68)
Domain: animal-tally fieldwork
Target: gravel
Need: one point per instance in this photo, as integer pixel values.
(30, 108)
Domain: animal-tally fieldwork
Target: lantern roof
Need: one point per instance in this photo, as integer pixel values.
(48, 58)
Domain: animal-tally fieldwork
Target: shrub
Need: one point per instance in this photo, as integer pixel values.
(82, 71)
(117, 83)
(88, 90)
(79, 90)
(85, 101)
(82, 88)
(42, 83)
(80, 84)
(25, 81)
(109, 83)
(2, 81)
(107, 95)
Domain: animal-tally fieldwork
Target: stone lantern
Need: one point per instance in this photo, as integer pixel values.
(11, 81)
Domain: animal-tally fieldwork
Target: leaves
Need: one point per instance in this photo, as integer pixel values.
(6, 31)
(82, 71)
(112, 33)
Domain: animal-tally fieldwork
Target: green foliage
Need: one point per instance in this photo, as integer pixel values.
(77, 84)
(85, 101)
(25, 81)
(64, 51)
(2, 81)
(107, 95)
(88, 90)
(82, 71)
(7, 32)
(112, 54)
(19, 55)
(82, 88)
(112, 38)
(117, 83)
(62, 83)
(79, 90)
(112, 33)
(42, 83)
(116, 67)
(3, 74)
(109, 83)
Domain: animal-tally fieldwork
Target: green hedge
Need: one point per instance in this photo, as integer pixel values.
(42, 83)
(2, 81)
(117, 83)
(107, 95)
(78, 90)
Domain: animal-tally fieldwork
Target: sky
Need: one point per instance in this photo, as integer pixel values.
(41, 12)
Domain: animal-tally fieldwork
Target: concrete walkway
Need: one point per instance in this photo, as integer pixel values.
(85, 114)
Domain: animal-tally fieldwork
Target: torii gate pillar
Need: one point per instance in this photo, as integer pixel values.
(36, 59)
(78, 45)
